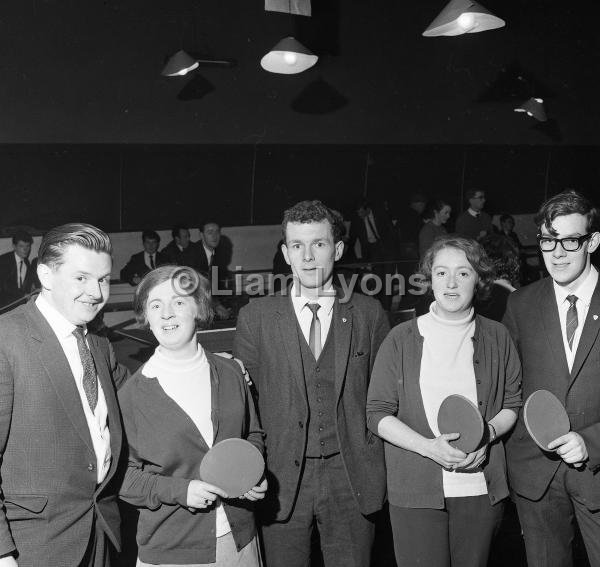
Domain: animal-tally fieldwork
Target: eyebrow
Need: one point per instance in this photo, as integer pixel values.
(458, 267)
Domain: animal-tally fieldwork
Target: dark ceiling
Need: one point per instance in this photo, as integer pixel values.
(88, 71)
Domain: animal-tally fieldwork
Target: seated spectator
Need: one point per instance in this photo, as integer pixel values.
(435, 216)
(142, 262)
(18, 276)
(180, 251)
(474, 222)
(507, 228)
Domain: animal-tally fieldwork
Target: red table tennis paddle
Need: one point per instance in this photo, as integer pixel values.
(458, 414)
(234, 465)
(545, 418)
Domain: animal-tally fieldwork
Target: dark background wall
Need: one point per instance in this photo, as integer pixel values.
(89, 72)
(131, 187)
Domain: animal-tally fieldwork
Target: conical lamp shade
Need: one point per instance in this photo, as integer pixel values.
(179, 64)
(463, 16)
(288, 57)
(533, 107)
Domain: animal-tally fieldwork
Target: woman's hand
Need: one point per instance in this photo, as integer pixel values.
(202, 495)
(444, 454)
(474, 459)
(256, 493)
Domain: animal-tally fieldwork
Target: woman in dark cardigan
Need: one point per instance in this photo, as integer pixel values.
(175, 407)
(445, 505)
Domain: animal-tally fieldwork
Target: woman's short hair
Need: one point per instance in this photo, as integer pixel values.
(58, 239)
(475, 255)
(433, 207)
(504, 256)
(186, 282)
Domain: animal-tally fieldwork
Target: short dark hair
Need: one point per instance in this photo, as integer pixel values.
(209, 221)
(150, 235)
(566, 203)
(58, 239)
(186, 281)
(22, 236)
(505, 217)
(177, 229)
(314, 211)
(475, 255)
(472, 192)
(434, 207)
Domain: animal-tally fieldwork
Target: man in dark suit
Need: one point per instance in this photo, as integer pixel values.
(555, 324)
(142, 262)
(310, 355)
(17, 274)
(180, 251)
(474, 222)
(60, 427)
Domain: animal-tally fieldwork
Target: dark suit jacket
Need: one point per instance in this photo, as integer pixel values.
(188, 257)
(533, 321)
(9, 290)
(267, 341)
(48, 466)
(219, 261)
(386, 247)
(137, 266)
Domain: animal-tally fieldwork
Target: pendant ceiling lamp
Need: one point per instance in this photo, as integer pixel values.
(288, 57)
(179, 64)
(463, 16)
(533, 107)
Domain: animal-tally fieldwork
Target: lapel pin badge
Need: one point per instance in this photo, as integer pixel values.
(344, 320)
(595, 317)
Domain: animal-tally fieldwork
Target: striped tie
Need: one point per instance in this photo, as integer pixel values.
(314, 341)
(572, 320)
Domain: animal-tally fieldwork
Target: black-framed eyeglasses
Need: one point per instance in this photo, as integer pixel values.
(570, 244)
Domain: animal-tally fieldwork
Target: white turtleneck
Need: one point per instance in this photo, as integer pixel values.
(187, 383)
(447, 368)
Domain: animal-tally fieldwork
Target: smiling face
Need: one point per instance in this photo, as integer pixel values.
(150, 245)
(453, 282)
(78, 287)
(172, 319)
(311, 252)
(569, 269)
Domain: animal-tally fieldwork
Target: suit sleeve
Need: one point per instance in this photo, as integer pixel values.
(120, 373)
(7, 545)
(245, 345)
(512, 375)
(141, 488)
(128, 271)
(381, 328)
(510, 322)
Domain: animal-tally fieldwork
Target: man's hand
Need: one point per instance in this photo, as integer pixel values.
(570, 448)
(256, 493)
(222, 312)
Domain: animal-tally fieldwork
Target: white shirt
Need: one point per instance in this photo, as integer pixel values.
(23, 269)
(304, 314)
(147, 260)
(584, 297)
(187, 383)
(473, 212)
(371, 228)
(209, 253)
(97, 421)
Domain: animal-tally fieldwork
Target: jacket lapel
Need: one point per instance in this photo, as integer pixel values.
(589, 333)
(54, 362)
(341, 322)
(551, 324)
(287, 327)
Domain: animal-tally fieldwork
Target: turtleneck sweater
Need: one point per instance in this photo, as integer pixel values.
(187, 383)
(447, 368)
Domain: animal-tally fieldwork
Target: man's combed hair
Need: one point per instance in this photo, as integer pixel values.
(314, 211)
(22, 236)
(566, 203)
(58, 239)
(475, 255)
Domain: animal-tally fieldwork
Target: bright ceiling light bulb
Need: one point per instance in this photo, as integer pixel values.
(466, 21)
(290, 57)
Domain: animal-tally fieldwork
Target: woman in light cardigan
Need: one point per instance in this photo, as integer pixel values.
(181, 402)
(445, 505)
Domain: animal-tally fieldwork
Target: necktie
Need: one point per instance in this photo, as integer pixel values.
(572, 321)
(90, 379)
(20, 274)
(314, 341)
(152, 264)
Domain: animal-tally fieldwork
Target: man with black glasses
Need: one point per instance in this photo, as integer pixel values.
(555, 324)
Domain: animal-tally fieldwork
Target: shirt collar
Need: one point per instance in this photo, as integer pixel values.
(473, 212)
(209, 251)
(19, 259)
(61, 326)
(299, 301)
(584, 292)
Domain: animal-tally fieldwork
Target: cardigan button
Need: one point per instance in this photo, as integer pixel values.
(478, 381)
(476, 361)
(480, 403)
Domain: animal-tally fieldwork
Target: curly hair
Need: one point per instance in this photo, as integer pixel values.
(314, 211)
(475, 255)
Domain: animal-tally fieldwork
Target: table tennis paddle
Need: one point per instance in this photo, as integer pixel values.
(545, 418)
(458, 414)
(234, 465)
